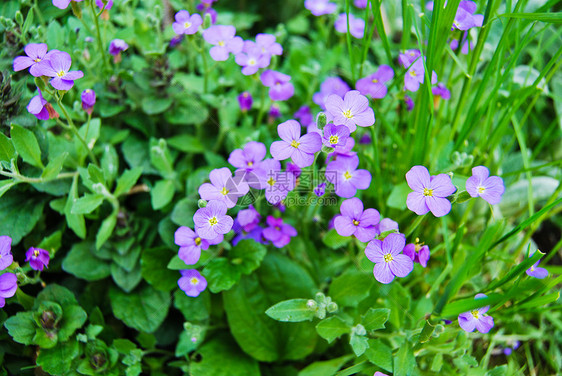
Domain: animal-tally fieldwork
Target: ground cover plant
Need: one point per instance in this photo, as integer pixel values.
(295, 188)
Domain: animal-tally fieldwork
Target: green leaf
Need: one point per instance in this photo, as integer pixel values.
(380, 355)
(397, 198)
(7, 150)
(20, 212)
(162, 193)
(518, 270)
(54, 167)
(96, 174)
(106, 229)
(186, 143)
(455, 308)
(152, 105)
(127, 280)
(292, 310)
(193, 309)
(247, 255)
(57, 361)
(326, 367)
(26, 145)
(350, 288)
(21, 327)
(555, 17)
(109, 163)
(127, 180)
(404, 361)
(75, 221)
(359, 344)
(82, 263)
(73, 318)
(143, 310)
(221, 275)
(154, 269)
(334, 240)
(332, 328)
(5, 186)
(375, 318)
(87, 204)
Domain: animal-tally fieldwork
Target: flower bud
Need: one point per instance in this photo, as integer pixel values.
(321, 120)
(207, 22)
(245, 100)
(332, 307)
(359, 330)
(312, 305)
(320, 298)
(19, 18)
(88, 100)
(201, 203)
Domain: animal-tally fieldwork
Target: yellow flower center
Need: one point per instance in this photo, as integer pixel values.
(252, 62)
(60, 74)
(198, 241)
(348, 114)
(295, 144)
(475, 313)
(194, 281)
(224, 191)
(221, 43)
(36, 253)
(250, 164)
(412, 54)
(356, 222)
(37, 60)
(533, 268)
(333, 139)
(413, 73)
(347, 175)
(271, 181)
(388, 257)
(213, 221)
(375, 81)
(187, 25)
(428, 192)
(481, 189)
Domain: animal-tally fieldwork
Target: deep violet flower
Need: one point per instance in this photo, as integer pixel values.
(39, 107)
(354, 221)
(88, 100)
(63, 4)
(36, 54)
(352, 111)
(248, 219)
(277, 232)
(6, 257)
(280, 89)
(430, 192)
(418, 253)
(38, 258)
(320, 189)
(304, 115)
(224, 187)
(345, 176)
(365, 139)
(388, 258)
(441, 91)
(251, 58)
(212, 221)
(256, 234)
(335, 135)
(343, 151)
(356, 25)
(466, 45)
(299, 148)
(331, 85)
(409, 103)
(206, 9)
(477, 319)
(481, 184)
(192, 282)
(117, 45)
(224, 40)
(293, 169)
(277, 183)
(245, 100)
(176, 40)
(274, 112)
(374, 84)
(191, 244)
(536, 271)
(8, 287)
(465, 17)
(186, 23)
(59, 67)
(247, 158)
(108, 6)
(320, 7)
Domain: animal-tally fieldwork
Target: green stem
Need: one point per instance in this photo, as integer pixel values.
(73, 129)
(348, 37)
(205, 67)
(27, 179)
(100, 44)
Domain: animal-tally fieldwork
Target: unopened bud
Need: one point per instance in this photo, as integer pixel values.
(332, 307)
(312, 305)
(321, 120)
(208, 21)
(320, 298)
(359, 330)
(19, 18)
(201, 203)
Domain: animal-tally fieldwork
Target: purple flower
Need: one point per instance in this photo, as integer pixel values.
(361, 4)
(352, 111)
(268, 45)
(245, 100)
(212, 221)
(299, 148)
(246, 160)
(374, 84)
(408, 57)
(108, 6)
(8, 287)
(224, 187)
(280, 89)
(248, 219)
(536, 271)
(304, 115)
(320, 7)
(206, 8)
(320, 189)
(256, 234)
(331, 85)
(416, 76)
(430, 192)
(116, 46)
(388, 259)
(38, 258)
(185, 23)
(36, 55)
(6, 257)
(277, 232)
(466, 44)
(252, 58)
(354, 221)
(277, 184)
(38, 107)
(274, 112)
(477, 319)
(191, 244)
(465, 17)
(224, 40)
(441, 91)
(335, 135)
(192, 282)
(481, 184)
(418, 253)
(88, 100)
(345, 176)
(386, 224)
(365, 139)
(176, 40)
(58, 67)
(409, 102)
(357, 25)
(63, 4)
(293, 169)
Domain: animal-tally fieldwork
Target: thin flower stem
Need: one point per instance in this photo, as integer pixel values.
(414, 225)
(262, 107)
(26, 179)
(205, 67)
(73, 129)
(100, 44)
(348, 37)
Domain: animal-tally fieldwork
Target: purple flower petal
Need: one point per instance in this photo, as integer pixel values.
(438, 206)
(401, 265)
(416, 202)
(382, 273)
(418, 178)
(374, 251)
(442, 185)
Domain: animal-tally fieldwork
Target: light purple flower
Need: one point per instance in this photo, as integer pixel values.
(418, 253)
(36, 55)
(63, 4)
(409, 103)
(386, 224)
(206, 9)
(38, 106)
(212, 221)
(245, 100)
(357, 25)
(304, 116)
(320, 189)
(345, 176)
(6, 257)
(274, 112)
(408, 57)
(465, 17)
(299, 148)
(191, 244)
(247, 160)
(268, 45)
(441, 91)
(344, 151)
(277, 183)
(481, 184)
(59, 67)
(256, 234)
(335, 135)
(374, 84)
(88, 100)
(320, 7)
(38, 258)
(224, 40)
(416, 76)
(280, 89)
(536, 271)
(192, 282)
(248, 219)
(252, 58)
(430, 192)
(224, 187)
(354, 221)
(8, 287)
(277, 232)
(116, 46)
(186, 23)
(331, 85)
(108, 6)
(388, 258)
(477, 319)
(352, 111)
(361, 4)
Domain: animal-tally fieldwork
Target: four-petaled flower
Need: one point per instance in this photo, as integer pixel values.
(277, 184)
(224, 40)
(418, 253)
(481, 184)
(6, 257)
(356, 25)
(374, 84)
(38, 258)
(280, 89)
(212, 221)
(352, 111)
(277, 232)
(430, 192)
(354, 221)
(248, 159)
(59, 67)
(335, 135)
(252, 58)
(331, 85)
(465, 17)
(345, 176)
(477, 319)
(36, 55)
(299, 148)
(224, 187)
(192, 282)
(320, 7)
(191, 244)
(388, 258)
(186, 23)
(8, 287)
